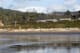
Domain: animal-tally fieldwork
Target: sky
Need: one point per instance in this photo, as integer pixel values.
(41, 5)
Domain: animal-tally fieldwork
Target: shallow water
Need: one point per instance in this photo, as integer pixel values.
(42, 50)
(5, 48)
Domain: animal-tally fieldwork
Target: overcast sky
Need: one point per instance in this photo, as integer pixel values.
(41, 5)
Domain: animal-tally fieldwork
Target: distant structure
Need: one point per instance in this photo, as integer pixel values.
(55, 20)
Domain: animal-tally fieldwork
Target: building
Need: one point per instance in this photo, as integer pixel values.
(55, 20)
(47, 20)
(65, 19)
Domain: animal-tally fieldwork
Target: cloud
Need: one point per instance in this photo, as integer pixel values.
(77, 7)
(72, 5)
(58, 8)
(70, 2)
(33, 9)
(21, 5)
(29, 5)
(13, 3)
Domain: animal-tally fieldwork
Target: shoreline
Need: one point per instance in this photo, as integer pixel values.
(42, 30)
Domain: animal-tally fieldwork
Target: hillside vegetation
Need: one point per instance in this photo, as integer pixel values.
(16, 19)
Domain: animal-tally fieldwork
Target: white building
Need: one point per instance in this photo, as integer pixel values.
(65, 19)
(41, 21)
(46, 20)
(55, 20)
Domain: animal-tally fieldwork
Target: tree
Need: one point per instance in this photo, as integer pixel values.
(74, 18)
(78, 13)
(68, 14)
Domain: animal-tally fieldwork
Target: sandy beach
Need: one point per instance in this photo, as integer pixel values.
(42, 30)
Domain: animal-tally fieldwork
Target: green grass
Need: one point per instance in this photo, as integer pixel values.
(60, 24)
